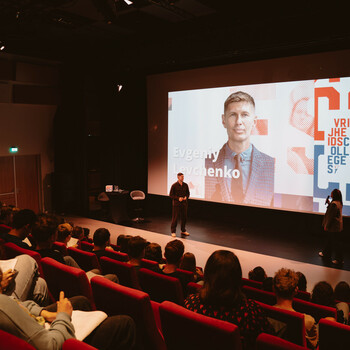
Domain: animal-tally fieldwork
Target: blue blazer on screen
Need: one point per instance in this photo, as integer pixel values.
(260, 186)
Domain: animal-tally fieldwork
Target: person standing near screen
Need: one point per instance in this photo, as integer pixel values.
(241, 174)
(333, 226)
(179, 193)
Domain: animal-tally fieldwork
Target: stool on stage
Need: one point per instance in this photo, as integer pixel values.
(137, 196)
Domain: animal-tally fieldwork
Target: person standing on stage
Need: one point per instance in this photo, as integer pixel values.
(333, 225)
(179, 193)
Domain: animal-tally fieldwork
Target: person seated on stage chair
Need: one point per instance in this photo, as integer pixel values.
(45, 233)
(258, 274)
(323, 294)
(102, 241)
(64, 234)
(26, 320)
(302, 283)
(136, 251)
(188, 263)
(221, 297)
(22, 224)
(285, 285)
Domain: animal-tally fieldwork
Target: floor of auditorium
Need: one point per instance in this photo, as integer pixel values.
(252, 248)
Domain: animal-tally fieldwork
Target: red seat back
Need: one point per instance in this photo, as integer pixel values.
(263, 296)
(295, 330)
(185, 277)
(251, 283)
(193, 288)
(125, 272)
(74, 344)
(161, 287)
(61, 247)
(269, 342)
(185, 329)
(315, 310)
(86, 246)
(149, 264)
(12, 250)
(303, 295)
(11, 342)
(86, 260)
(71, 280)
(333, 335)
(132, 302)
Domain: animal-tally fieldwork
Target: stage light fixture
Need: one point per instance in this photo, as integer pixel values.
(2, 46)
(119, 87)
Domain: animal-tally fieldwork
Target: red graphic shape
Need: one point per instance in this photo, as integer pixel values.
(299, 162)
(261, 127)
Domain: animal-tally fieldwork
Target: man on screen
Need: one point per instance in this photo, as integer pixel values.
(241, 174)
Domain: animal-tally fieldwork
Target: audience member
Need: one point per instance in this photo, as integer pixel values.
(78, 233)
(64, 233)
(302, 284)
(123, 242)
(6, 215)
(323, 294)
(267, 284)
(258, 274)
(221, 297)
(22, 224)
(285, 284)
(188, 263)
(102, 241)
(153, 252)
(342, 292)
(26, 319)
(136, 251)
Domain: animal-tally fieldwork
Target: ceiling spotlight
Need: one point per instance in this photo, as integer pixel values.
(128, 2)
(2, 46)
(119, 87)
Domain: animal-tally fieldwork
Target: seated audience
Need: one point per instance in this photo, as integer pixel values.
(323, 294)
(78, 233)
(302, 284)
(123, 242)
(258, 274)
(136, 251)
(22, 224)
(102, 241)
(285, 284)
(64, 234)
(26, 321)
(188, 263)
(221, 297)
(342, 292)
(153, 252)
(267, 284)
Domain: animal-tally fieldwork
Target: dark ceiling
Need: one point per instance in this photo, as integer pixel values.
(156, 35)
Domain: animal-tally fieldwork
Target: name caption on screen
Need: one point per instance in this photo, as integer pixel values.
(190, 154)
(211, 172)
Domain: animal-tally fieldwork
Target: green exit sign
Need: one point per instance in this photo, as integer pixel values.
(13, 149)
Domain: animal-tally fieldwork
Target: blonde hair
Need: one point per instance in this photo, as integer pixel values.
(63, 231)
(285, 283)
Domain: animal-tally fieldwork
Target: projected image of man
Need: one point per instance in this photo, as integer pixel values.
(242, 174)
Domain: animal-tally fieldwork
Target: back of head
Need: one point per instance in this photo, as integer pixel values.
(257, 274)
(101, 237)
(222, 280)
(153, 252)
(43, 233)
(123, 242)
(174, 251)
(63, 231)
(188, 262)
(136, 247)
(78, 232)
(342, 292)
(285, 283)
(24, 217)
(6, 214)
(323, 294)
(302, 284)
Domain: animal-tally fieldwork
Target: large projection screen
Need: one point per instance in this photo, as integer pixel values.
(298, 132)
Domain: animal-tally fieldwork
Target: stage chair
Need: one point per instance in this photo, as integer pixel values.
(86, 246)
(125, 272)
(86, 260)
(12, 250)
(115, 299)
(149, 264)
(61, 247)
(186, 330)
(11, 342)
(161, 287)
(269, 342)
(251, 283)
(74, 344)
(193, 288)
(71, 280)
(315, 310)
(295, 322)
(137, 196)
(263, 296)
(333, 335)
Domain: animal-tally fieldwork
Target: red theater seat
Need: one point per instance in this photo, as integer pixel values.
(263, 296)
(315, 310)
(71, 280)
(61, 247)
(149, 264)
(303, 295)
(193, 288)
(295, 331)
(251, 283)
(333, 335)
(115, 299)
(126, 273)
(161, 287)
(74, 344)
(86, 246)
(10, 342)
(86, 260)
(269, 342)
(186, 330)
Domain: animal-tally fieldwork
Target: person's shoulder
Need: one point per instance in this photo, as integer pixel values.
(263, 156)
